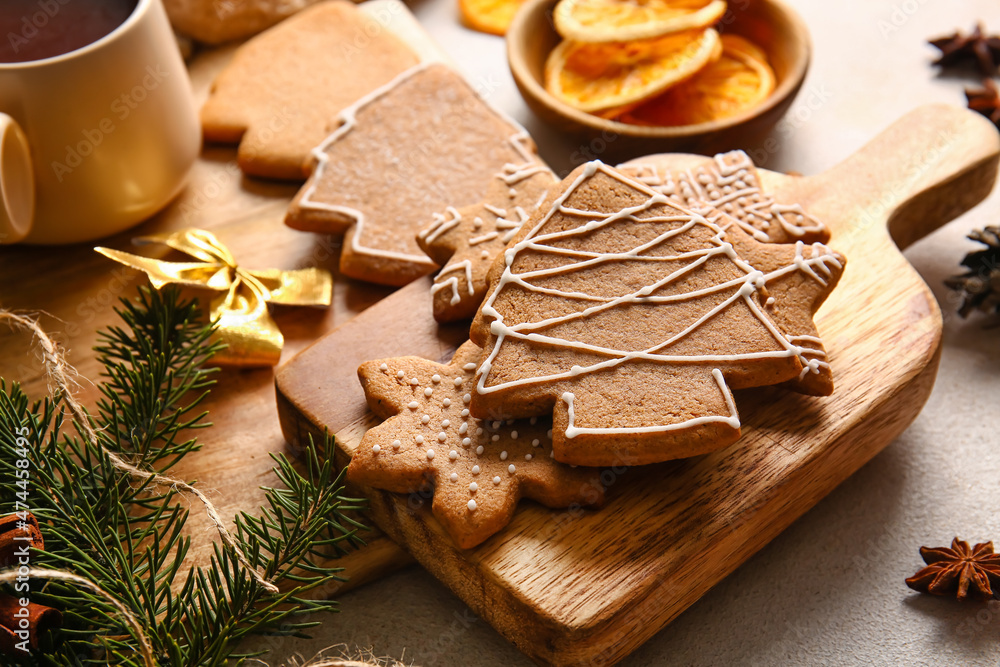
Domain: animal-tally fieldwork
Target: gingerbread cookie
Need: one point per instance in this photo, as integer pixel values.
(422, 143)
(465, 242)
(478, 469)
(218, 21)
(729, 185)
(629, 318)
(284, 88)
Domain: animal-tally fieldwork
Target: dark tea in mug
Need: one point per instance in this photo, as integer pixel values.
(38, 29)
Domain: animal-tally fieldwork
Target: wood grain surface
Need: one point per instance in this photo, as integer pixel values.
(75, 291)
(573, 588)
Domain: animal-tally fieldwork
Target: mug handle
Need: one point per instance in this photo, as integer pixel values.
(17, 182)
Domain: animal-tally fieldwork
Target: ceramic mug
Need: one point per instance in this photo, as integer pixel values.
(98, 139)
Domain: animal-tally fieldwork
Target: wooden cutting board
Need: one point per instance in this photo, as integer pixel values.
(74, 290)
(589, 588)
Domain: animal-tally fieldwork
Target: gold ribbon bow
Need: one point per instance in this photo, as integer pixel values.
(244, 323)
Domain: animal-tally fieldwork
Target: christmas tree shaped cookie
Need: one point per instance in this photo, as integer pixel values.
(629, 318)
(284, 88)
(729, 185)
(465, 242)
(413, 148)
(478, 469)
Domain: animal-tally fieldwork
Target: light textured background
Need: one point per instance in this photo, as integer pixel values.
(829, 591)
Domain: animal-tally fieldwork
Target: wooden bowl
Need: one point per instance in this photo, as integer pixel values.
(769, 23)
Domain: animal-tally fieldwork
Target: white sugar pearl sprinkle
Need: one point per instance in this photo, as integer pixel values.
(401, 375)
(463, 429)
(475, 470)
(396, 444)
(549, 434)
(496, 480)
(428, 392)
(495, 425)
(479, 430)
(384, 367)
(479, 450)
(465, 412)
(469, 367)
(446, 402)
(413, 405)
(495, 437)
(446, 423)
(435, 379)
(472, 504)
(419, 439)
(425, 419)
(430, 454)
(467, 398)
(503, 456)
(513, 435)
(527, 457)
(533, 421)
(457, 382)
(453, 455)
(473, 487)
(442, 436)
(453, 476)
(511, 469)
(414, 381)
(376, 449)
(535, 442)
(466, 442)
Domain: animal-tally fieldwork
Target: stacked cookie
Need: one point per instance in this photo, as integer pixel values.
(612, 312)
(616, 321)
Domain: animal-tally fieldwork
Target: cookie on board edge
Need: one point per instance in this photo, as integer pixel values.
(478, 470)
(629, 318)
(422, 143)
(281, 93)
(465, 242)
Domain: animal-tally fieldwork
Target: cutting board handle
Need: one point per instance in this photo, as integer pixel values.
(927, 168)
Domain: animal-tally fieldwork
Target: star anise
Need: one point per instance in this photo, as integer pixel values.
(985, 100)
(958, 571)
(959, 49)
(980, 285)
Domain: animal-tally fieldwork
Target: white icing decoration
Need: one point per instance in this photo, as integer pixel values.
(817, 266)
(472, 504)
(396, 444)
(511, 469)
(731, 185)
(384, 367)
(519, 142)
(376, 449)
(430, 454)
(453, 476)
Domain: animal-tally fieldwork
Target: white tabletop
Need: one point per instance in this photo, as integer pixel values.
(829, 591)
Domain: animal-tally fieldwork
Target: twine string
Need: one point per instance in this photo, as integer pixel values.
(59, 371)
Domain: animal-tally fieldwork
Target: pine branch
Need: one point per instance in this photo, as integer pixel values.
(128, 537)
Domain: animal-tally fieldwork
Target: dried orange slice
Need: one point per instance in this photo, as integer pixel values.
(626, 20)
(740, 80)
(592, 77)
(491, 16)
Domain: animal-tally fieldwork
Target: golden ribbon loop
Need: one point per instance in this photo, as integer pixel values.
(244, 323)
